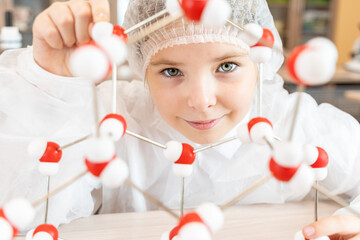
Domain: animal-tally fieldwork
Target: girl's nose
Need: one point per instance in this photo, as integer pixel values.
(201, 94)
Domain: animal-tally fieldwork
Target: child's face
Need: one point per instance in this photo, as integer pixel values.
(202, 90)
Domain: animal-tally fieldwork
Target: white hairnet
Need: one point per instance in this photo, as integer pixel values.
(184, 32)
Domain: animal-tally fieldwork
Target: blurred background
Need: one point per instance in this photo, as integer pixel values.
(296, 20)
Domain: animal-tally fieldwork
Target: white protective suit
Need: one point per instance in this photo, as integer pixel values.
(35, 103)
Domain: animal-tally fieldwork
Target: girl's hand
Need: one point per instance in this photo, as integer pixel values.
(340, 227)
(62, 26)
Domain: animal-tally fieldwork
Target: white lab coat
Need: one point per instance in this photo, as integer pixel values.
(35, 103)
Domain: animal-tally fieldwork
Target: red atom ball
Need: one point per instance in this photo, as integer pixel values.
(2, 215)
(52, 154)
(189, 218)
(187, 156)
(96, 168)
(193, 9)
(322, 160)
(281, 173)
(290, 65)
(174, 232)
(256, 120)
(120, 32)
(50, 229)
(267, 39)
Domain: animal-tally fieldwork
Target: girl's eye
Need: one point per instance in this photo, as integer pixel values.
(227, 67)
(172, 72)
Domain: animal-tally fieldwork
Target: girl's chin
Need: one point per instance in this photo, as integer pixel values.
(205, 138)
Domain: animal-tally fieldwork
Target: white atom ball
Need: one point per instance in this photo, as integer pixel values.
(173, 6)
(112, 128)
(19, 212)
(42, 236)
(173, 150)
(243, 133)
(326, 46)
(252, 34)
(89, 62)
(48, 168)
(288, 154)
(299, 236)
(101, 30)
(303, 179)
(115, 48)
(260, 54)
(211, 215)
(100, 149)
(311, 154)
(114, 173)
(194, 230)
(260, 131)
(320, 173)
(182, 170)
(216, 13)
(36, 148)
(314, 68)
(6, 231)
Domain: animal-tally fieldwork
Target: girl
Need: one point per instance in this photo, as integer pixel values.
(199, 87)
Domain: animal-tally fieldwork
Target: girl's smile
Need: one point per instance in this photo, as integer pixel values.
(204, 124)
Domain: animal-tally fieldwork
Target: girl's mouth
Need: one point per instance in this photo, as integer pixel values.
(204, 124)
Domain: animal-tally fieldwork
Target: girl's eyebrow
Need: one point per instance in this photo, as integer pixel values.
(166, 62)
(226, 56)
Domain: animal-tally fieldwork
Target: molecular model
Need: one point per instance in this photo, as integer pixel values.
(299, 166)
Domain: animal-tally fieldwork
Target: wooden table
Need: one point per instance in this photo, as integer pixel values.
(343, 76)
(256, 222)
(353, 95)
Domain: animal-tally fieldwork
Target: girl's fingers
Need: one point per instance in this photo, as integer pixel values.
(82, 13)
(100, 10)
(340, 224)
(64, 20)
(67, 23)
(46, 30)
(356, 237)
